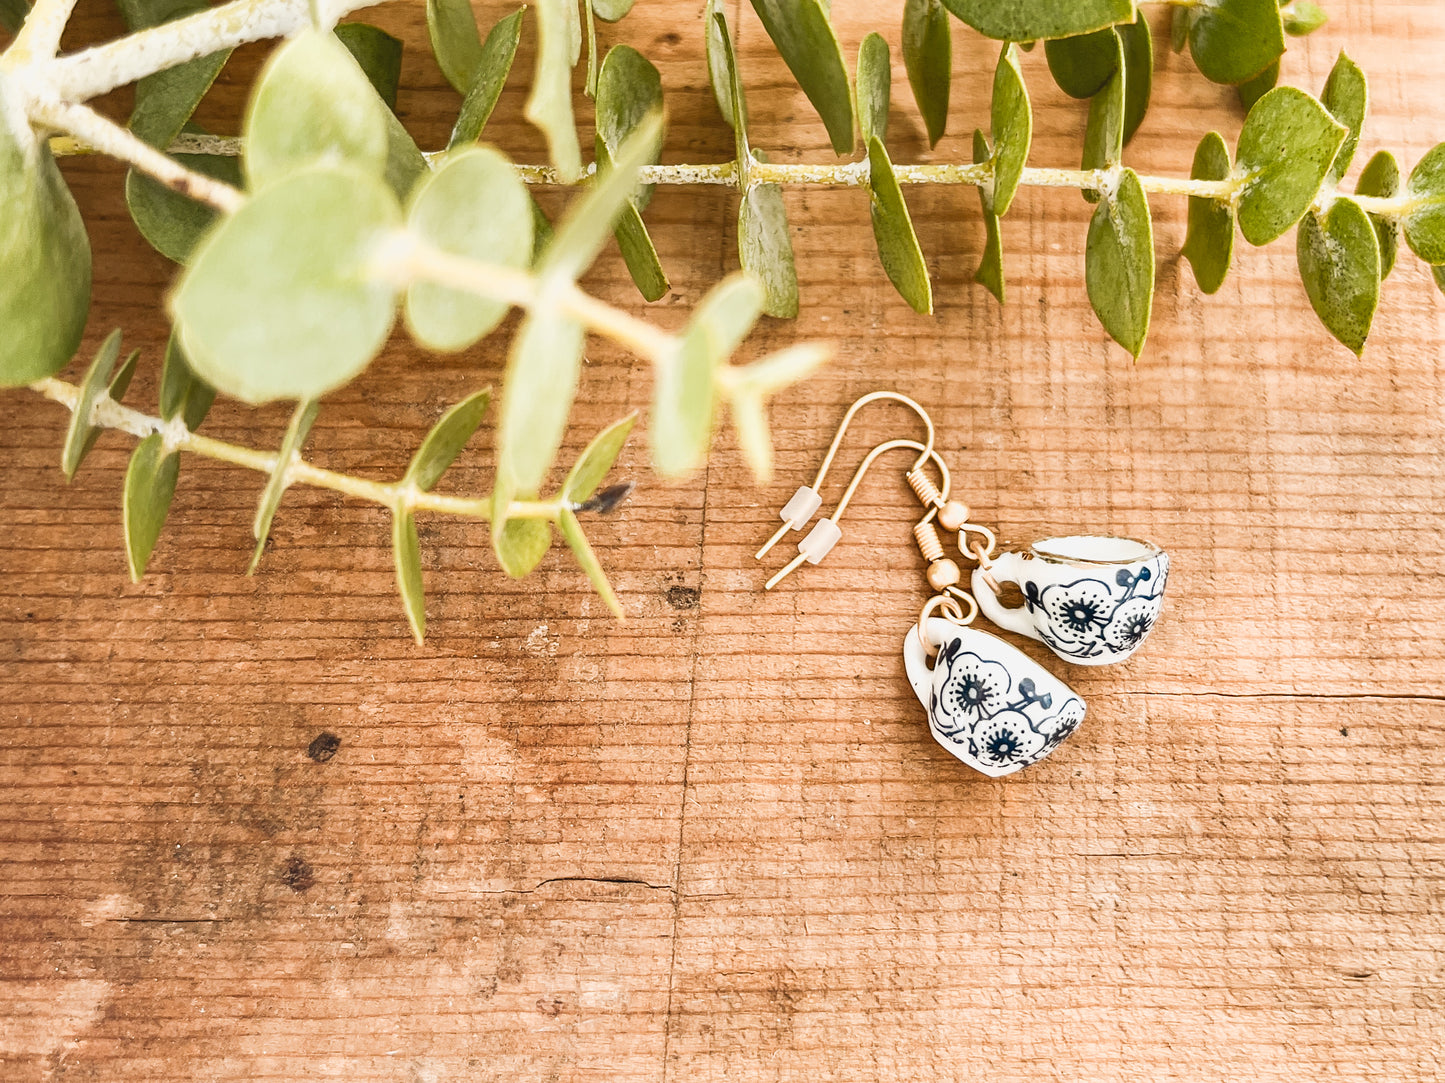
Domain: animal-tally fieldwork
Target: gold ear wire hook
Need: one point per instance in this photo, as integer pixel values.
(808, 499)
(825, 533)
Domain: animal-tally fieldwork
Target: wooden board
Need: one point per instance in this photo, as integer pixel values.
(716, 842)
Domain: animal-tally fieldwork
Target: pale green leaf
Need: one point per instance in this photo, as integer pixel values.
(81, 430)
(804, 36)
(765, 248)
(521, 544)
(898, 248)
(928, 59)
(118, 385)
(1286, 147)
(1381, 179)
(446, 440)
(1119, 263)
(549, 106)
(725, 63)
(1179, 29)
(1251, 90)
(1013, 128)
(750, 419)
(587, 561)
(452, 27)
(1138, 45)
(313, 103)
(990, 269)
(170, 222)
(629, 90)
(610, 11)
(596, 460)
(44, 256)
(1302, 17)
(150, 484)
(1339, 262)
(1081, 65)
(771, 374)
(378, 54)
(721, 63)
(498, 52)
(1425, 223)
(541, 379)
(473, 206)
(638, 253)
(299, 252)
(183, 394)
(1209, 244)
(1104, 135)
(165, 100)
(1235, 40)
(406, 556)
(875, 80)
(1347, 97)
(1038, 20)
(297, 429)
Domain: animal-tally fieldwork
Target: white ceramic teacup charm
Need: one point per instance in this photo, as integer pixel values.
(1092, 599)
(988, 703)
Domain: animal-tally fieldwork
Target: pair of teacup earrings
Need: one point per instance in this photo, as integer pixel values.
(1090, 598)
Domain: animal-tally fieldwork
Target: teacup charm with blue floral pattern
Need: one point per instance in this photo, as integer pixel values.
(988, 703)
(1091, 599)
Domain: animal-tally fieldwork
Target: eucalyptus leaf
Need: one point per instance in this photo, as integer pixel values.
(150, 484)
(1040, 20)
(498, 52)
(1235, 40)
(300, 252)
(1285, 149)
(1303, 17)
(898, 248)
(81, 430)
(170, 222)
(629, 90)
(1013, 128)
(726, 64)
(474, 206)
(541, 231)
(1251, 90)
(117, 389)
(587, 561)
(875, 80)
(640, 255)
(750, 419)
(521, 545)
(801, 31)
(596, 460)
(165, 100)
(44, 256)
(771, 374)
(1138, 45)
(297, 429)
(183, 394)
(406, 556)
(990, 269)
(928, 59)
(1081, 65)
(1339, 262)
(1179, 28)
(549, 106)
(1104, 134)
(446, 440)
(541, 379)
(1209, 244)
(12, 14)
(378, 54)
(1437, 272)
(1381, 179)
(721, 63)
(1119, 263)
(765, 248)
(1347, 97)
(313, 103)
(1425, 222)
(610, 11)
(452, 27)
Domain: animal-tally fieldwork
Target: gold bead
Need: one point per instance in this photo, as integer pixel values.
(943, 573)
(952, 515)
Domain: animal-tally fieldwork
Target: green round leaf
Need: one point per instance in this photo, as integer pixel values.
(541, 379)
(1119, 263)
(406, 555)
(1339, 261)
(1013, 128)
(596, 460)
(150, 484)
(452, 27)
(521, 544)
(447, 439)
(765, 248)
(1039, 20)
(312, 102)
(78, 436)
(610, 11)
(1209, 244)
(297, 429)
(549, 106)
(1138, 73)
(1347, 97)
(1251, 90)
(170, 222)
(629, 90)
(1104, 133)
(44, 257)
(1285, 149)
(898, 248)
(587, 560)
(183, 393)
(297, 254)
(1303, 17)
(1425, 224)
(378, 54)
(1235, 40)
(875, 80)
(803, 35)
(1081, 65)
(721, 64)
(473, 206)
(928, 59)
(990, 269)
(498, 52)
(1381, 178)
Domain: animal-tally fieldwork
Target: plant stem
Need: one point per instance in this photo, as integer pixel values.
(39, 36)
(110, 414)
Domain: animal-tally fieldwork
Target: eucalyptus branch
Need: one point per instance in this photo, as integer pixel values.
(109, 414)
(39, 36)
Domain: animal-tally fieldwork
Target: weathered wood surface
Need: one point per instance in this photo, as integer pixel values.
(716, 842)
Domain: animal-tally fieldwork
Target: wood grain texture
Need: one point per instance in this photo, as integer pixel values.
(716, 842)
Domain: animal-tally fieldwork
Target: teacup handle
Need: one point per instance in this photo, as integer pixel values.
(1005, 568)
